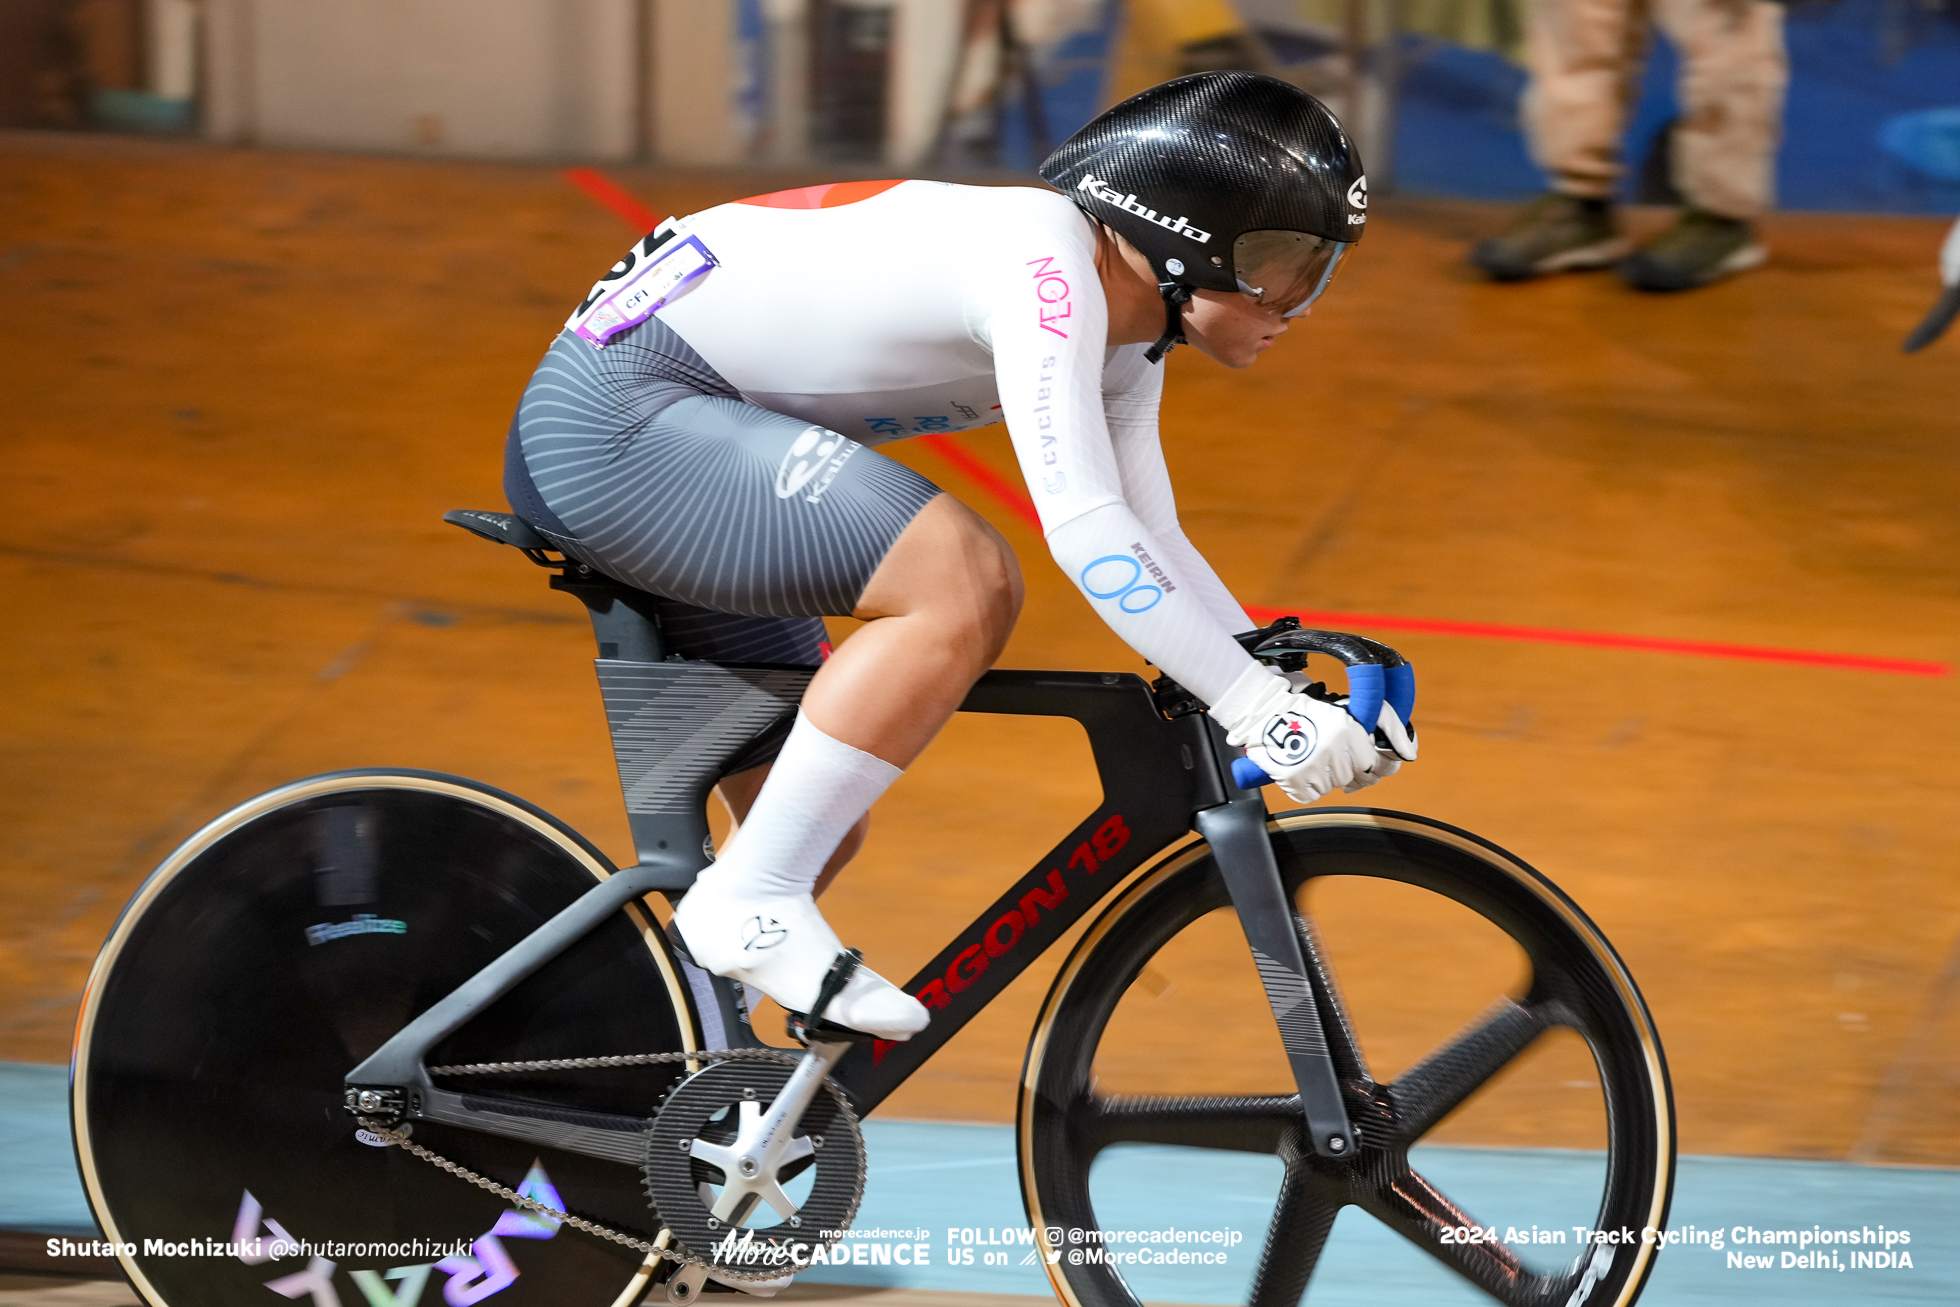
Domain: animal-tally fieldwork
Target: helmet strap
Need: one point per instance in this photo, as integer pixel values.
(1175, 298)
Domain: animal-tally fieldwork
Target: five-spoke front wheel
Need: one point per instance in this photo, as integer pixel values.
(1526, 1143)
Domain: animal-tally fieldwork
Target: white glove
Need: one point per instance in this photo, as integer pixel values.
(1393, 738)
(1401, 741)
(1308, 746)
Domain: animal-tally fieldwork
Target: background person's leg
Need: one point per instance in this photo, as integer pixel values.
(1733, 75)
(1585, 56)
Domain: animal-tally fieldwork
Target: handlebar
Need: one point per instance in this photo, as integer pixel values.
(1376, 674)
(1249, 775)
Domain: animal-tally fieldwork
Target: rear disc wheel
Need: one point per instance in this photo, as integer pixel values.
(278, 948)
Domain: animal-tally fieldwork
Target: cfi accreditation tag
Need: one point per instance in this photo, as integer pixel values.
(639, 285)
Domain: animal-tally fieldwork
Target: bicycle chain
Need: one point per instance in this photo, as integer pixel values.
(624, 1059)
(389, 1134)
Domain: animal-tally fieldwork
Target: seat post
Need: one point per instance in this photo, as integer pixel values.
(675, 723)
(624, 622)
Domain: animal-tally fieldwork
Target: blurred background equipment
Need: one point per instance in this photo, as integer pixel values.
(1428, 89)
(123, 65)
(1029, 73)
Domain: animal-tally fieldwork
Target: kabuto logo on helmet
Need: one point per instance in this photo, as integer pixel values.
(1239, 154)
(1230, 152)
(1358, 193)
(1108, 194)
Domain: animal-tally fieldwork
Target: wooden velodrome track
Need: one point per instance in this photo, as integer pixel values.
(241, 387)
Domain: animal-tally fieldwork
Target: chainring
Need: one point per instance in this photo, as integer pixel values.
(707, 1106)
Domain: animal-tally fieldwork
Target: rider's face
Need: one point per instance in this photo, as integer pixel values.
(1231, 327)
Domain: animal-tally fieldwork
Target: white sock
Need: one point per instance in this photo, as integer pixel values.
(815, 793)
(750, 916)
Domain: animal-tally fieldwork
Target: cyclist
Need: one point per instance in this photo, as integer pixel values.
(705, 429)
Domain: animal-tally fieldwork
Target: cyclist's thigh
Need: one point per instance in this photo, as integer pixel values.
(642, 461)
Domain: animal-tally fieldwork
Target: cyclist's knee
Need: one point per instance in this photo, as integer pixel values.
(985, 600)
(997, 574)
(952, 565)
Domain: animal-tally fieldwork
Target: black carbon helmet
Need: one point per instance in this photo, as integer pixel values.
(1186, 169)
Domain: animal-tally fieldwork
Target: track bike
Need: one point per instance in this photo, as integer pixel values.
(393, 1037)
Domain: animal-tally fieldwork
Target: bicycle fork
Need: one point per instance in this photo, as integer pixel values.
(1236, 831)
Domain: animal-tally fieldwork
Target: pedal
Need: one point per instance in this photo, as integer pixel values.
(805, 1032)
(755, 1288)
(686, 1284)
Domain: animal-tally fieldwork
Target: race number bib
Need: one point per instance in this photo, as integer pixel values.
(638, 286)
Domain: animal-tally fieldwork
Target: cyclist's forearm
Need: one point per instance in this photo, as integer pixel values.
(1123, 569)
(1147, 490)
(1187, 562)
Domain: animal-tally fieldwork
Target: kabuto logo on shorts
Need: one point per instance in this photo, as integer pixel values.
(817, 452)
(1288, 738)
(1108, 194)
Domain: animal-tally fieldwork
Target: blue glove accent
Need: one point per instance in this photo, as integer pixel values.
(1365, 693)
(1248, 775)
(1402, 692)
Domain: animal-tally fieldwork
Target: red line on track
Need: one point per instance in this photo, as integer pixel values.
(1015, 500)
(1005, 493)
(1608, 640)
(614, 196)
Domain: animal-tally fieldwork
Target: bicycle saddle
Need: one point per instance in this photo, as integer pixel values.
(504, 528)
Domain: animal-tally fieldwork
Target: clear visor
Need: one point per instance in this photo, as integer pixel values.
(1286, 269)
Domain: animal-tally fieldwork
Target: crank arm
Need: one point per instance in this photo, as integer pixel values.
(766, 1141)
(1236, 832)
(774, 1133)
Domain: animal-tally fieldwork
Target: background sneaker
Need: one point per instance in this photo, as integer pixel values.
(1555, 233)
(1700, 248)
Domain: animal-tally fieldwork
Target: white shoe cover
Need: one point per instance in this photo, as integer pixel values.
(784, 948)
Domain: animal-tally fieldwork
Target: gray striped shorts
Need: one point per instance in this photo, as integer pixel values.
(642, 461)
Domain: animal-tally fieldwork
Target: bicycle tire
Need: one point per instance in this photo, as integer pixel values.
(278, 947)
(1576, 982)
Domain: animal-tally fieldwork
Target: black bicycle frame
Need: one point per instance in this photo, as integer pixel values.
(676, 723)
